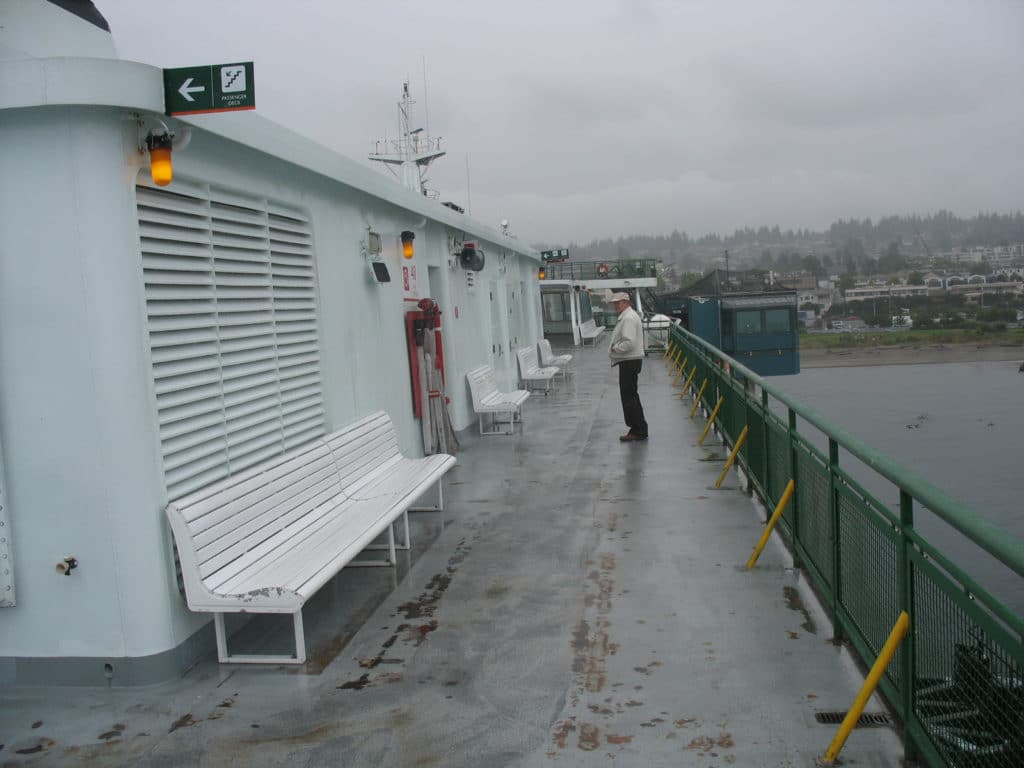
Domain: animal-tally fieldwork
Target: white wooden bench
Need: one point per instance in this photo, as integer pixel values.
(590, 331)
(265, 540)
(488, 401)
(530, 370)
(550, 359)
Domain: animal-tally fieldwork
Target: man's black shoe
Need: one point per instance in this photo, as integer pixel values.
(629, 437)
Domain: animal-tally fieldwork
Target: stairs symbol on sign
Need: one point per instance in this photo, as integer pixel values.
(232, 79)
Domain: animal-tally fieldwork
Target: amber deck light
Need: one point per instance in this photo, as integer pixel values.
(407, 238)
(160, 167)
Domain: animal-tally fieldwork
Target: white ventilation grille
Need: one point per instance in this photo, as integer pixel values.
(231, 301)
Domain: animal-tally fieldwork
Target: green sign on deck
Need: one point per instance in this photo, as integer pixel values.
(212, 88)
(559, 254)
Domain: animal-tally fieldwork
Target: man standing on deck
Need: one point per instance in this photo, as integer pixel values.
(626, 351)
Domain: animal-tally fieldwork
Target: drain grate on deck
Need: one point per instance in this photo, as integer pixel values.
(866, 720)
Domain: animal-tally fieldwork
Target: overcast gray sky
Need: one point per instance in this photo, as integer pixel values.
(584, 119)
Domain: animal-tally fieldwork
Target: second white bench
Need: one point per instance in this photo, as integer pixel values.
(551, 360)
(590, 331)
(489, 401)
(531, 371)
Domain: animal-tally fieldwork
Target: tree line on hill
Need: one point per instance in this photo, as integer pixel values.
(847, 246)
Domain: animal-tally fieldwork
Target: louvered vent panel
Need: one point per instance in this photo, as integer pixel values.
(231, 301)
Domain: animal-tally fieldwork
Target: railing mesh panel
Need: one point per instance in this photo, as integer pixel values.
(814, 522)
(868, 574)
(779, 471)
(968, 691)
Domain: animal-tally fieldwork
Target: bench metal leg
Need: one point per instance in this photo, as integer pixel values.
(495, 430)
(439, 507)
(222, 646)
(390, 547)
(406, 542)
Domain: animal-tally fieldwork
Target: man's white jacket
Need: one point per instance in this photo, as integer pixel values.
(628, 338)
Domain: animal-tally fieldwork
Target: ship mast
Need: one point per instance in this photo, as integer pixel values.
(412, 151)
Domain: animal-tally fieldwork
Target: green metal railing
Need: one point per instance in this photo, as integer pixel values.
(601, 270)
(957, 682)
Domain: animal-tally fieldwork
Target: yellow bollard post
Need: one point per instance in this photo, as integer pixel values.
(681, 370)
(732, 457)
(884, 656)
(700, 394)
(686, 384)
(711, 420)
(689, 381)
(786, 495)
(675, 362)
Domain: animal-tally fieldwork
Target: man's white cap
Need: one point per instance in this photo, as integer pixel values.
(611, 297)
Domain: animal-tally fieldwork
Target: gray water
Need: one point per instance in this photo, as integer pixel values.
(958, 425)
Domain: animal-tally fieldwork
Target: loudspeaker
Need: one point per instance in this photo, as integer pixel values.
(471, 257)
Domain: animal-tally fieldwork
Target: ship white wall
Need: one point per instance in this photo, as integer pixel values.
(82, 467)
(77, 403)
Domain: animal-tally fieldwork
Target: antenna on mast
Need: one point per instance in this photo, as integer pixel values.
(414, 149)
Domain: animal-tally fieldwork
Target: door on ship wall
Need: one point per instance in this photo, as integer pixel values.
(500, 346)
(516, 317)
(557, 316)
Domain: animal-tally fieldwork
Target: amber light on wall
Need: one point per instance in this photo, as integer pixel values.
(161, 169)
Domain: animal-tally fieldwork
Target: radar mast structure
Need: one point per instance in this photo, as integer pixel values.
(412, 152)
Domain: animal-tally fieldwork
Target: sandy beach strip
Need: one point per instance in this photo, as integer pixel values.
(910, 355)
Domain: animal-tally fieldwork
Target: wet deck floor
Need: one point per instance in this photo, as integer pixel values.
(582, 602)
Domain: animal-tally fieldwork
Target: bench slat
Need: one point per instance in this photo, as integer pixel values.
(201, 502)
(305, 569)
(253, 569)
(258, 499)
(241, 544)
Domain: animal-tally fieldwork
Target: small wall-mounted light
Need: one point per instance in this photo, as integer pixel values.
(160, 167)
(373, 244)
(407, 238)
(541, 273)
(372, 249)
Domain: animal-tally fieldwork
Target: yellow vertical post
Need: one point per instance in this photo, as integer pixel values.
(673, 358)
(696, 400)
(681, 371)
(732, 457)
(689, 381)
(771, 524)
(884, 656)
(668, 349)
(711, 420)
(679, 356)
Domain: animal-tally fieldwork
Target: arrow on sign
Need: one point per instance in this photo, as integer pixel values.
(187, 89)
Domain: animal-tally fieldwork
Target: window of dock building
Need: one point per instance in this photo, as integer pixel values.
(777, 321)
(748, 321)
(231, 301)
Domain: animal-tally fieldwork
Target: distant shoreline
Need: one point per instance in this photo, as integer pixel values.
(910, 354)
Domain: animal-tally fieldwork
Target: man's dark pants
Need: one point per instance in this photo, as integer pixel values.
(632, 410)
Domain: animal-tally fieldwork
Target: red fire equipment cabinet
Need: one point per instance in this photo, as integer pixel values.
(418, 323)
